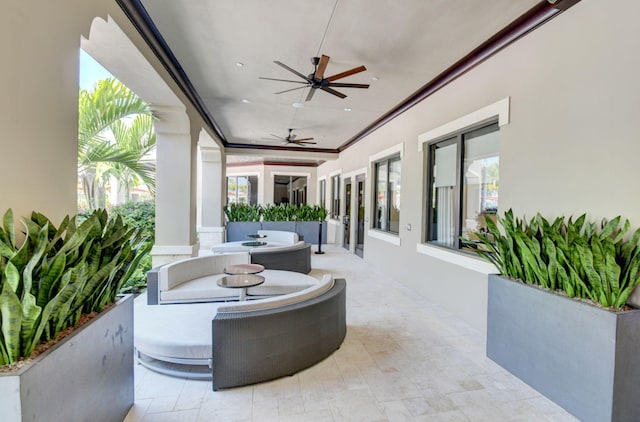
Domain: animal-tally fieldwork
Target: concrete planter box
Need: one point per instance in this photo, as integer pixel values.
(239, 230)
(309, 231)
(87, 376)
(285, 226)
(584, 358)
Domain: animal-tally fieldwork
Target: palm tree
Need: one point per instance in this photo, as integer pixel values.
(139, 138)
(115, 134)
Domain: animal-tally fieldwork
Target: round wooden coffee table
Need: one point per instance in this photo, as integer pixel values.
(243, 269)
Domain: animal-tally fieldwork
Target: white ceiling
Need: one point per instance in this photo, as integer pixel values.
(403, 43)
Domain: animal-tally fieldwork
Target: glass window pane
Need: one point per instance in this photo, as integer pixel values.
(231, 189)
(481, 180)
(243, 190)
(323, 193)
(252, 182)
(381, 196)
(394, 196)
(443, 202)
(335, 192)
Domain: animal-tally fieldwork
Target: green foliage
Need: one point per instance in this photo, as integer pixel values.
(142, 216)
(242, 212)
(59, 274)
(282, 212)
(115, 136)
(579, 258)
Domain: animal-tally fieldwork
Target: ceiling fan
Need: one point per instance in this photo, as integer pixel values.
(292, 139)
(317, 80)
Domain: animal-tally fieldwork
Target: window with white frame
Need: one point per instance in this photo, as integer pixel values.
(242, 190)
(335, 196)
(387, 194)
(322, 189)
(463, 184)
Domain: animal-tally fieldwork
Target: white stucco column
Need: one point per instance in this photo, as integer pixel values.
(211, 194)
(175, 188)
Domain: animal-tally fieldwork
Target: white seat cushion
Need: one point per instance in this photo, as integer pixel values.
(175, 331)
(203, 288)
(281, 283)
(206, 288)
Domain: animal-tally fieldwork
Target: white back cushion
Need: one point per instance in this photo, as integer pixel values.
(176, 273)
(279, 236)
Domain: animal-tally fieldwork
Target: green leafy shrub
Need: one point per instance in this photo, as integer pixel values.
(242, 212)
(580, 258)
(142, 216)
(58, 274)
(281, 212)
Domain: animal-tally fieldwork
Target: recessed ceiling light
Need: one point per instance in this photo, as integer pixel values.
(239, 64)
(244, 100)
(375, 78)
(297, 105)
(347, 109)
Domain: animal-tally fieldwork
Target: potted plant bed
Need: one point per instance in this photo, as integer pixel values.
(558, 318)
(88, 375)
(240, 230)
(309, 231)
(584, 358)
(50, 284)
(243, 220)
(283, 226)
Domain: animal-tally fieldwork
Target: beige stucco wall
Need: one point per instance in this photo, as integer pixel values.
(39, 109)
(38, 106)
(571, 146)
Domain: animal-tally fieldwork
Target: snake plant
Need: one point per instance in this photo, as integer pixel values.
(282, 212)
(58, 274)
(598, 262)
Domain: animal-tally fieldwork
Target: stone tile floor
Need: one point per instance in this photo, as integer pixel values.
(404, 359)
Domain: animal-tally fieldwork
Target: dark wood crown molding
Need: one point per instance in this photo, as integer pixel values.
(282, 148)
(532, 19)
(275, 163)
(141, 20)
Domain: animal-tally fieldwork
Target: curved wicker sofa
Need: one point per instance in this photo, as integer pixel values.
(261, 340)
(283, 251)
(240, 343)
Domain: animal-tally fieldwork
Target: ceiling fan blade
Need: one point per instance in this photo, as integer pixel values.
(346, 85)
(310, 94)
(304, 139)
(292, 89)
(282, 80)
(324, 61)
(279, 138)
(295, 72)
(347, 73)
(333, 91)
(305, 143)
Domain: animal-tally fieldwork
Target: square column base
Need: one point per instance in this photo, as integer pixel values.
(164, 254)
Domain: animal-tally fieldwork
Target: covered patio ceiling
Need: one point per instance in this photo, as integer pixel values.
(220, 49)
